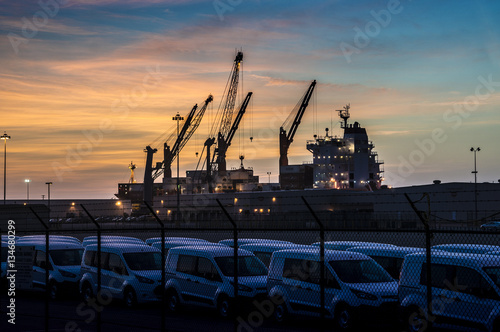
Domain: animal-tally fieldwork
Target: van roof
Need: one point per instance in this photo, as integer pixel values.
(313, 253)
(457, 258)
(208, 250)
(350, 244)
(272, 246)
(123, 247)
(387, 250)
(242, 241)
(467, 246)
(52, 245)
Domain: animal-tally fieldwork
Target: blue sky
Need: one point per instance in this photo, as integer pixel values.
(75, 102)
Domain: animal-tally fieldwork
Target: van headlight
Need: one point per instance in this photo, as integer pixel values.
(363, 295)
(67, 274)
(242, 288)
(144, 280)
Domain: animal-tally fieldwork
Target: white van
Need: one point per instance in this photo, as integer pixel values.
(390, 258)
(64, 265)
(183, 243)
(230, 242)
(264, 250)
(204, 276)
(152, 240)
(344, 245)
(355, 286)
(129, 271)
(465, 291)
(467, 248)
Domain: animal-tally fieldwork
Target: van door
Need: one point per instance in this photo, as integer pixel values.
(301, 279)
(206, 281)
(39, 269)
(116, 274)
(475, 297)
(185, 275)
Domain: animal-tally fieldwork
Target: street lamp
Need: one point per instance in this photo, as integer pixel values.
(27, 189)
(5, 137)
(48, 195)
(178, 118)
(475, 179)
(268, 177)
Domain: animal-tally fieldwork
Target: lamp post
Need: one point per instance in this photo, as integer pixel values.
(177, 118)
(5, 137)
(268, 177)
(475, 180)
(27, 189)
(48, 195)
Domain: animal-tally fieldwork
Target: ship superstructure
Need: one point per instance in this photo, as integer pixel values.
(347, 162)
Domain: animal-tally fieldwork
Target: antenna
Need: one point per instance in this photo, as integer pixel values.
(344, 114)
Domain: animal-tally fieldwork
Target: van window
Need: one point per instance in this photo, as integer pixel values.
(116, 265)
(493, 273)
(40, 260)
(265, 257)
(186, 264)
(67, 257)
(89, 258)
(141, 261)
(360, 271)
(442, 276)
(307, 271)
(104, 260)
(390, 264)
(247, 266)
(206, 269)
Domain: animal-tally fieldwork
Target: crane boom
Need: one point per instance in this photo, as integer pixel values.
(223, 143)
(227, 113)
(287, 139)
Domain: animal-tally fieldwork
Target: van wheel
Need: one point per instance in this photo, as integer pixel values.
(130, 298)
(416, 321)
(280, 312)
(53, 290)
(344, 318)
(224, 306)
(87, 292)
(173, 301)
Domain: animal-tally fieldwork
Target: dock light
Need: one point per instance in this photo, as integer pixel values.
(73, 204)
(241, 210)
(27, 189)
(274, 199)
(178, 118)
(118, 203)
(235, 200)
(5, 137)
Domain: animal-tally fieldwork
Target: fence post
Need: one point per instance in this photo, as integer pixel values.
(47, 288)
(424, 218)
(322, 262)
(163, 279)
(235, 265)
(99, 272)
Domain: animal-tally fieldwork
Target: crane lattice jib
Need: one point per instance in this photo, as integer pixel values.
(298, 112)
(227, 114)
(237, 120)
(175, 148)
(195, 123)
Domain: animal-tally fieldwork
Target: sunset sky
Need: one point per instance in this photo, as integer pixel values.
(86, 85)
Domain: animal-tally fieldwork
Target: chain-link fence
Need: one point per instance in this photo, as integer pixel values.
(162, 271)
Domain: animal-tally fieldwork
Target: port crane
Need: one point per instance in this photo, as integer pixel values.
(191, 123)
(286, 136)
(216, 162)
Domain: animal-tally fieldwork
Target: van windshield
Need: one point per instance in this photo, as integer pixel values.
(247, 266)
(494, 274)
(67, 257)
(360, 271)
(140, 261)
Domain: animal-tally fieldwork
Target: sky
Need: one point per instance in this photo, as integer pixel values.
(87, 85)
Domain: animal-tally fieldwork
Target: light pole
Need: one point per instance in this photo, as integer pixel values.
(5, 137)
(48, 195)
(178, 118)
(268, 177)
(27, 189)
(475, 179)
